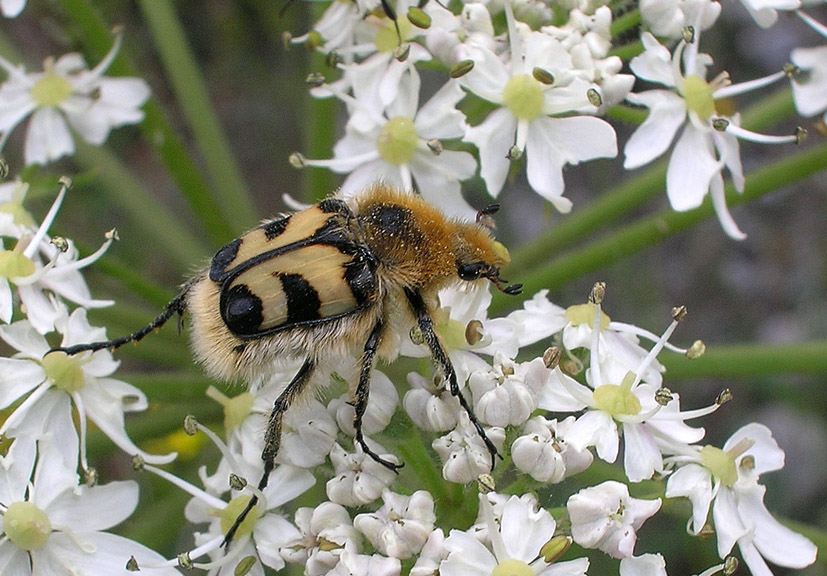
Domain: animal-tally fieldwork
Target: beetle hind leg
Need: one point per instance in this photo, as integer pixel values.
(272, 438)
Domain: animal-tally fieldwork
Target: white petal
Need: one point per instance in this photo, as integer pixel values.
(777, 543)
(96, 508)
(655, 64)
(667, 113)
(18, 377)
(554, 142)
(494, 138)
(695, 483)
(765, 451)
(691, 169)
(111, 553)
(489, 76)
(728, 524)
(645, 565)
(810, 93)
(641, 457)
(16, 470)
(525, 531)
(48, 137)
(108, 416)
(438, 117)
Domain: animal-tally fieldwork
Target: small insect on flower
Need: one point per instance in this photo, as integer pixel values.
(339, 278)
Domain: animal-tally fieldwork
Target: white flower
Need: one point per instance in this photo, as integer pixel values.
(382, 404)
(517, 542)
(36, 267)
(358, 478)
(464, 453)
(325, 531)
(810, 88)
(652, 423)
(449, 34)
(351, 563)
(400, 144)
(507, 394)
(708, 142)
(401, 526)
(729, 476)
(430, 404)
(668, 18)
(49, 381)
(263, 531)
(466, 331)
(542, 451)
(68, 94)
(607, 518)
(525, 121)
(52, 525)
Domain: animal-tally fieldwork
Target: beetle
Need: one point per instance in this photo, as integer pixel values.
(336, 279)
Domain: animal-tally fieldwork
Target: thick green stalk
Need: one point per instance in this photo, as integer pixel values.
(229, 192)
(741, 361)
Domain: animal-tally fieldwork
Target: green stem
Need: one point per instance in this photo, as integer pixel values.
(230, 193)
(742, 361)
(651, 230)
(156, 128)
(169, 237)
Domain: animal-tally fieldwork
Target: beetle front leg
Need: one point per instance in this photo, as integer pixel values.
(440, 356)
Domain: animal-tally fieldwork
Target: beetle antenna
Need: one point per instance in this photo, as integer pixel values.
(177, 306)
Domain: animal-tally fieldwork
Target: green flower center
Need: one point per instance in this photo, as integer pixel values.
(511, 567)
(523, 96)
(64, 371)
(232, 511)
(698, 96)
(26, 525)
(387, 39)
(51, 90)
(618, 400)
(584, 314)
(397, 141)
(237, 409)
(14, 264)
(721, 464)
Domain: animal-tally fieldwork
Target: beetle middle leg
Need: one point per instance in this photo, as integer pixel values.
(363, 393)
(272, 437)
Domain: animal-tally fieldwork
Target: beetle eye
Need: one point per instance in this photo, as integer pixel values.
(471, 271)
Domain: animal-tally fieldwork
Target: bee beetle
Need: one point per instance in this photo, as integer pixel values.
(335, 279)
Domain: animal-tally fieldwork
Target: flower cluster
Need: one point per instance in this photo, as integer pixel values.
(544, 87)
(368, 527)
(52, 521)
(435, 94)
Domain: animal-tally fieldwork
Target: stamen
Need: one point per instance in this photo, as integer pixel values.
(31, 249)
(190, 489)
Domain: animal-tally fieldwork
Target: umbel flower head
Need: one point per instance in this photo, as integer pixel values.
(52, 525)
(67, 94)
